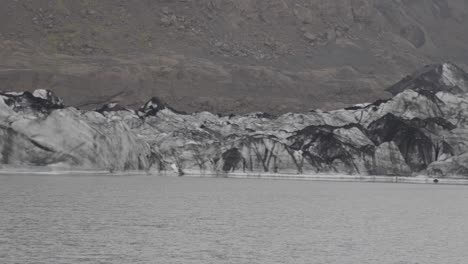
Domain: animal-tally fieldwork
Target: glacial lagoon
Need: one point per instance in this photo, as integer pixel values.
(154, 219)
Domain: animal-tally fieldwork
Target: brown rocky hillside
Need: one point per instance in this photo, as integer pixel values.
(225, 55)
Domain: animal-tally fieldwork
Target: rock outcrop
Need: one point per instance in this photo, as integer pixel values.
(422, 130)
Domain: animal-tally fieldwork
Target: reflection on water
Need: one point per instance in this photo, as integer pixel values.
(144, 219)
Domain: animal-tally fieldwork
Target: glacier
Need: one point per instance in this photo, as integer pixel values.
(421, 130)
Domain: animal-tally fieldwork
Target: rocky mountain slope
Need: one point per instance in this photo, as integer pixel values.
(421, 130)
(225, 55)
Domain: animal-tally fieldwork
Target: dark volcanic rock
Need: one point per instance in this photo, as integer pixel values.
(232, 160)
(415, 146)
(41, 101)
(112, 107)
(326, 151)
(153, 106)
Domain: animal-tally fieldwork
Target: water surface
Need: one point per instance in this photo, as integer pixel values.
(151, 219)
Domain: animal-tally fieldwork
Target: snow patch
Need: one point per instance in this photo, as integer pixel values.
(451, 77)
(41, 93)
(112, 105)
(15, 93)
(151, 105)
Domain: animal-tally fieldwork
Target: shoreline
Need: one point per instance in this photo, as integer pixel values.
(336, 178)
(238, 175)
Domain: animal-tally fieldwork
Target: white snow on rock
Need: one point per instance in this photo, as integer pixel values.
(451, 77)
(41, 93)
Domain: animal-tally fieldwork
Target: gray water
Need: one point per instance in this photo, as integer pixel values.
(150, 219)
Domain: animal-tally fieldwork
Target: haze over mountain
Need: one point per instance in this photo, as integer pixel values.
(225, 55)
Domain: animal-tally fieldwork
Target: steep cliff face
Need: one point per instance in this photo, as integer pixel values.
(251, 55)
(38, 131)
(422, 129)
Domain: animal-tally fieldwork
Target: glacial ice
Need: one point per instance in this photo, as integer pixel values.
(421, 130)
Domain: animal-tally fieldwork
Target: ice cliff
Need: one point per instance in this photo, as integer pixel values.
(421, 130)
